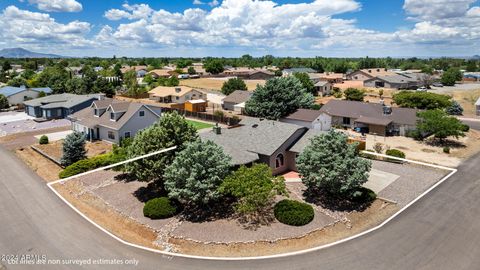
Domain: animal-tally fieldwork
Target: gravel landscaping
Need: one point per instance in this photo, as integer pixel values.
(128, 197)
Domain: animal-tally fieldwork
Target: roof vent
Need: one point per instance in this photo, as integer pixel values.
(387, 110)
(178, 89)
(254, 125)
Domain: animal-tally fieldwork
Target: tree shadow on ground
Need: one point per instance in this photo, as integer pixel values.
(211, 212)
(445, 143)
(335, 203)
(125, 177)
(254, 221)
(151, 191)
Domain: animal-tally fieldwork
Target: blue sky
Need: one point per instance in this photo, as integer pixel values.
(346, 28)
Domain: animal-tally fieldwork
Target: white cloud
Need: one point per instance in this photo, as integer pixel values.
(131, 12)
(198, 2)
(57, 5)
(213, 3)
(436, 9)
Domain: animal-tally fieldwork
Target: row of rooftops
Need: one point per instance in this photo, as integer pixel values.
(8, 91)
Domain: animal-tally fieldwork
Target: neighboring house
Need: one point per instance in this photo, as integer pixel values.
(177, 94)
(331, 77)
(370, 117)
(477, 107)
(366, 74)
(323, 88)
(235, 98)
(140, 70)
(259, 75)
(257, 140)
(312, 119)
(161, 73)
(113, 120)
(397, 81)
(290, 71)
(17, 95)
(59, 106)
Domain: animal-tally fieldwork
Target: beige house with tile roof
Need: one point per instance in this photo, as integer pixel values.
(177, 94)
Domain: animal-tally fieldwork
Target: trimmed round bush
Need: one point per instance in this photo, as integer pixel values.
(293, 213)
(465, 128)
(43, 140)
(160, 208)
(446, 150)
(395, 153)
(363, 195)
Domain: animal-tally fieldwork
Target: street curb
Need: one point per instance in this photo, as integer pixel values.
(166, 253)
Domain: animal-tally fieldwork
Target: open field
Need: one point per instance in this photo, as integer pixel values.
(217, 83)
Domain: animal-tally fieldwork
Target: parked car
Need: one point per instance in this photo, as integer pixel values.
(183, 76)
(422, 89)
(437, 84)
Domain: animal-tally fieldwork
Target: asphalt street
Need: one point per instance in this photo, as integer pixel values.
(441, 231)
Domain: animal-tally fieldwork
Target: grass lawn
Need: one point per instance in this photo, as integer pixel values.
(199, 125)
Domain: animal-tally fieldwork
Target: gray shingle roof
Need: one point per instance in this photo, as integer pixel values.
(238, 96)
(357, 109)
(10, 90)
(305, 140)
(87, 118)
(254, 137)
(304, 115)
(65, 100)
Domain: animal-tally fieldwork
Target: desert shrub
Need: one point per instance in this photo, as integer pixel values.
(43, 140)
(378, 147)
(293, 213)
(395, 153)
(160, 208)
(446, 150)
(363, 195)
(89, 164)
(415, 134)
(465, 128)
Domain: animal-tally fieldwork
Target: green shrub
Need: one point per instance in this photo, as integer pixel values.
(446, 150)
(395, 153)
(293, 213)
(86, 165)
(363, 195)
(415, 134)
(465, 128)
(43, 140)
(160, 208)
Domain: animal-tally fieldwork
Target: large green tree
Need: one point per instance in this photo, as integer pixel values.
(3, 102)
(306, 82)
(422, 100)
(279, 97)
(233, 84)
(440, 125)
(330, 164)
(254, 188)
(451, 76)
(73, 149)
(354, 94)
(196, 173)
(214, 66)
(171, 130)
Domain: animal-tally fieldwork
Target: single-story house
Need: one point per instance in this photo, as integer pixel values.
(177, 94)
(332, 77)
(397, 81)
(300, 145)
(17, 95)
(369, 117)
(290, 71)
(235, 98)
(259, 75)
(140, 70)
(161, 73)
(323, 88)
(312, 119)
(112, 120)
(261, 141)
(59, 106)
(369, 73)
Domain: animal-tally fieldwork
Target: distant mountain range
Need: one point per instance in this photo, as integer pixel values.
(22, 53)
(476, 57)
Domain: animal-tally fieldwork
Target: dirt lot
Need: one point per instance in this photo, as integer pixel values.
(422, 151)
(24, 139)
(217, 83)
(46, 168)
(467, 99)
(54, 149)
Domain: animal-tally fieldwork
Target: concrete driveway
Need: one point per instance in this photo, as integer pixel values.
(7, 117)
(56, 136)
(29, 125)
